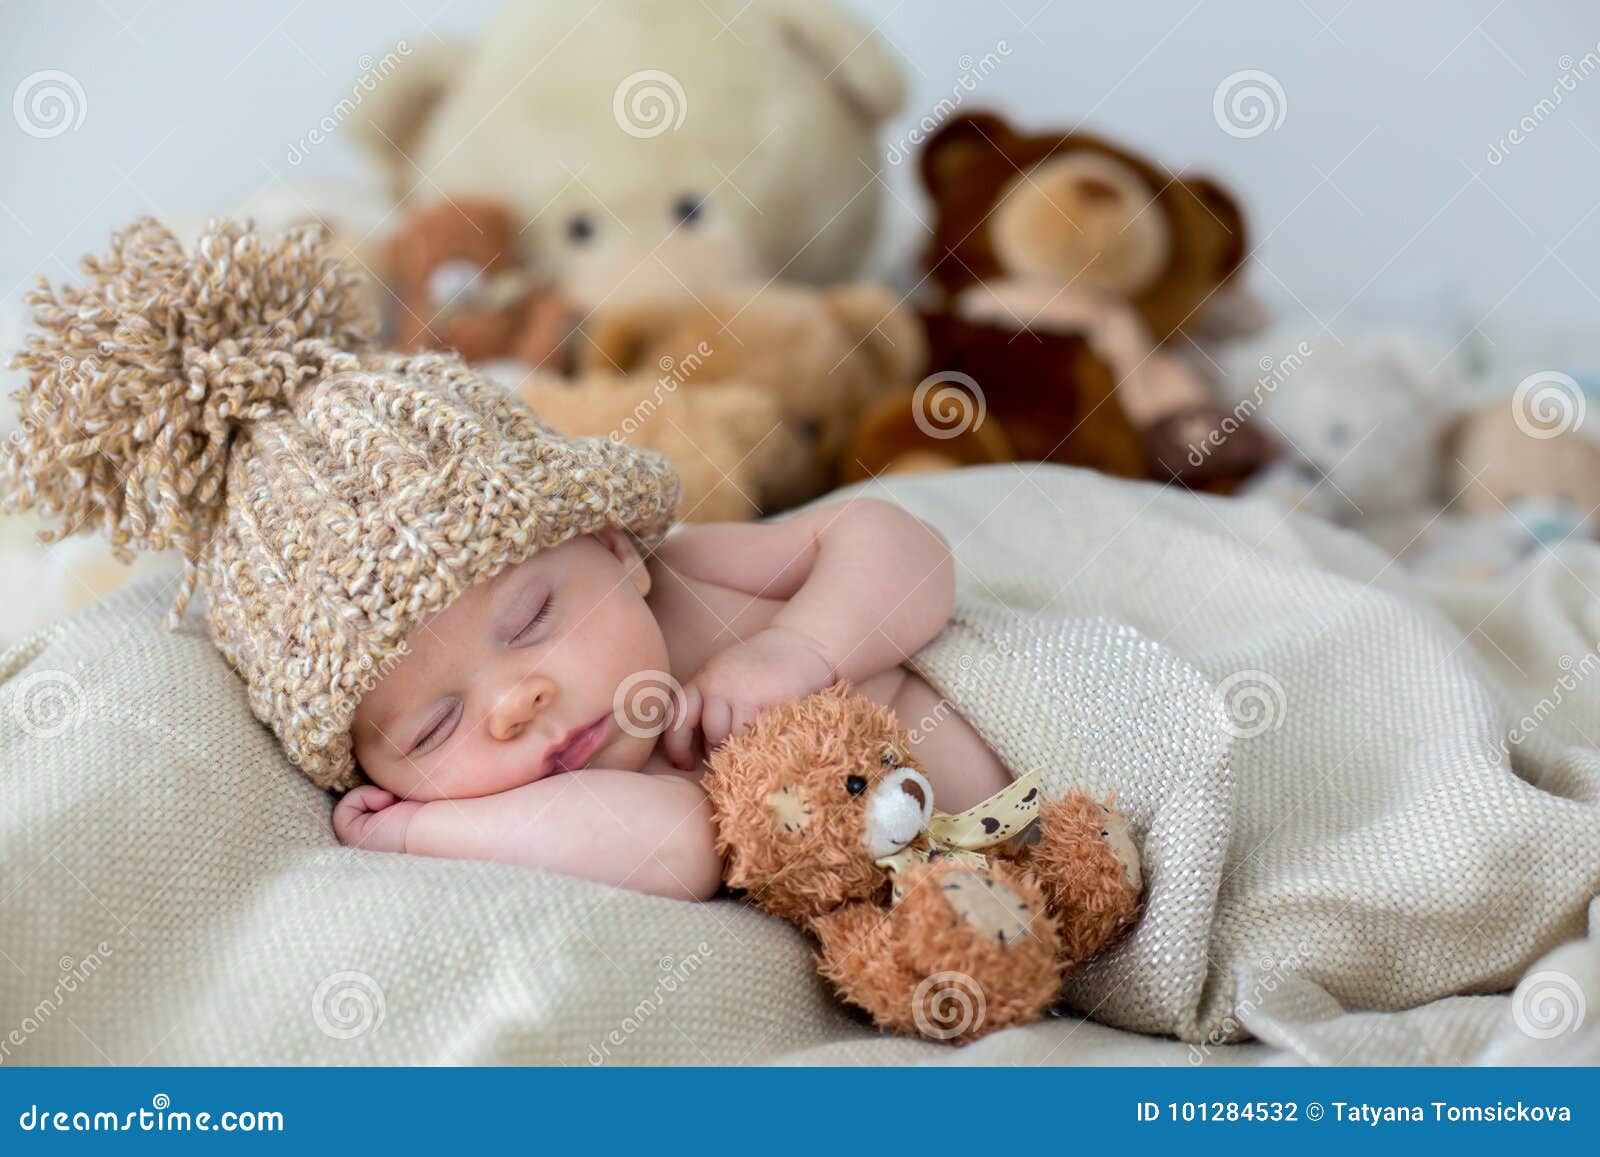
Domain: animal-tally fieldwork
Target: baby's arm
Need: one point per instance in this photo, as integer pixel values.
(650, 833)
(881, 583)
(866, 585)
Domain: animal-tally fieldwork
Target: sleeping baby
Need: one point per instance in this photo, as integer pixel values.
(443, 608)
(515, 728)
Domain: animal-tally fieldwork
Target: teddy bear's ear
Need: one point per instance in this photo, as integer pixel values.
(390, 122)
(1213, 223)
(789, 807)
(966, 151)
(1232, 238)
(1210, 241)
(882, 328)
(845, 53)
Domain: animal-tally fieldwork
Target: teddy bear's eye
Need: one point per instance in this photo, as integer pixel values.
(580, 228)
(890, 758)
(855, 785)
(688, 208)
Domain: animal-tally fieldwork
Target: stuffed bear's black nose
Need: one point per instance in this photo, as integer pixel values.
(914, 789)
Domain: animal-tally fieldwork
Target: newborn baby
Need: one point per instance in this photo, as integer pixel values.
(514, 730)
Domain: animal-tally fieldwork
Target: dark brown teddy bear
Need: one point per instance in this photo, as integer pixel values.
(1066, 245)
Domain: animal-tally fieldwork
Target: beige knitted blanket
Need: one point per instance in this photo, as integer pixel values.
(1344, 853)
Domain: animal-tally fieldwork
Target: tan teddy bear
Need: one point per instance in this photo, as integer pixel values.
(728, 442)
(825, 356)
(946, 926)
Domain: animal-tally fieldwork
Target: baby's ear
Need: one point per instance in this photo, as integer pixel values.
(622, 546)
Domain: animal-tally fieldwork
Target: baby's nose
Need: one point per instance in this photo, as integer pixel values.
(520, 706)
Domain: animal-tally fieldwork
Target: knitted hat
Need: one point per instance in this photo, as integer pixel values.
(327, 497)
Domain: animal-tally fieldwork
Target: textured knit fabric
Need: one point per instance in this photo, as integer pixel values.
(171, 890)
(228, 403)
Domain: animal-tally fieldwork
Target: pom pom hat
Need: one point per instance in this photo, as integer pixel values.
(328, 497)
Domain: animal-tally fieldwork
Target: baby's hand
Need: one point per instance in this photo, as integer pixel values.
(771, 667)
(373, 819)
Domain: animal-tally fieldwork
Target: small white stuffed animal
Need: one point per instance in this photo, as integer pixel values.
(1358, 425)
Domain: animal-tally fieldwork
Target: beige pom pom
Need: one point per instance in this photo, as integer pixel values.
(141, 379)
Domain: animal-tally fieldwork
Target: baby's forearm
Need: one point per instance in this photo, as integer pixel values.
(881, 587)
(649, 833)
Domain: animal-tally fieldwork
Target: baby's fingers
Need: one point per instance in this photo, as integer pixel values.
(679, 736)
(743, 716)
(715, 719)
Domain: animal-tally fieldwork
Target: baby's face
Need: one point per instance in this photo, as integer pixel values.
(495, 689)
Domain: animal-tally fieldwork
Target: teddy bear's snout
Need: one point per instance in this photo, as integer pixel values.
(897, 811)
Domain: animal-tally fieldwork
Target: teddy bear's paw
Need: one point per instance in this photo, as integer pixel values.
(1118, 836)
(982, 943)
(1088, 866)
(988, 907)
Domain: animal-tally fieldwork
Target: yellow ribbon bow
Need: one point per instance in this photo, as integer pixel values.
(963, 836)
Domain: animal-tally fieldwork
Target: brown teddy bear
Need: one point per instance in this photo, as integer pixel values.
(459, 283)
(1066, 234)
(1000, 396)
(946, 926)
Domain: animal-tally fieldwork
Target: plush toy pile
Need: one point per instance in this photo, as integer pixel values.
(950, 927)
(646, 219)
(1459, 476)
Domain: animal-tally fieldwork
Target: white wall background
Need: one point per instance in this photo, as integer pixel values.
(1375, 197)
